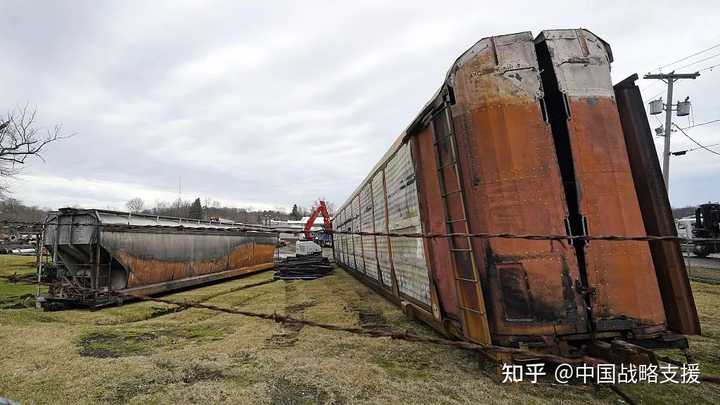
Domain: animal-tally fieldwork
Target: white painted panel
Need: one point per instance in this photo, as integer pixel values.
(404, 217)
(383, 250)
(367, 225)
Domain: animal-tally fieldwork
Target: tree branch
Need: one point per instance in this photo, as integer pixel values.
(19, 139)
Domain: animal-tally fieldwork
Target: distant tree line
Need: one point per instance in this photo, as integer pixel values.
(206, 209)
(14, 210)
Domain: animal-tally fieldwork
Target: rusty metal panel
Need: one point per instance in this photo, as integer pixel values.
(620, 275)
(147, 257)
(512, 178)
(404, 217)
(367, 225)
(382, 242)
(431, 206)
(153, 257)
(513, 184)
(655, 207)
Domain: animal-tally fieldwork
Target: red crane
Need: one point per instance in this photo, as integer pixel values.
(321, 209)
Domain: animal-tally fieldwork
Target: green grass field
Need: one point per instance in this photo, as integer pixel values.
(148, 353)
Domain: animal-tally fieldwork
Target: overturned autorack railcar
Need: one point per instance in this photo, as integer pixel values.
(524, 137)
(103, 256)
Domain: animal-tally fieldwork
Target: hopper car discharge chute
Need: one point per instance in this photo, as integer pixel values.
(525, 136)
(101, 255)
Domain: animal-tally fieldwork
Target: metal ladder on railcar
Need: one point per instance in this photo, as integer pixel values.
(467, 280)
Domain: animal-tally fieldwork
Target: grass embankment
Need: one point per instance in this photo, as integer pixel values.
(148, 353)
(17, 274)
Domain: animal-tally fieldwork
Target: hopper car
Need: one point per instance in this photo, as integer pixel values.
(101, 256)
(525, 136)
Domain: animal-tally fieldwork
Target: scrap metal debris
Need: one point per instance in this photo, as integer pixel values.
(308, 267)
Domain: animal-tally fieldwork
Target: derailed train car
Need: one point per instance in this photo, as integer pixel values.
(101, 256)
(524, 137)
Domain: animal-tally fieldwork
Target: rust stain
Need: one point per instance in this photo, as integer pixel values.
(655, 208)
(524, 159)
(621, 273)
(513, 184)
(151, 271)
(431, 207)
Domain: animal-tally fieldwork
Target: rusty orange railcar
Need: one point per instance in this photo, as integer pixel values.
(523, 137)
(100, 256)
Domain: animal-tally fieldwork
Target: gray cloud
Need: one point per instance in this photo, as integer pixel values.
(278, 103)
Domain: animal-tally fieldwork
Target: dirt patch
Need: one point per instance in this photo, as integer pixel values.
(368, 318)
(197, 373)
(299, 308)
(403, 364)
(282, 339)
(115, 344)
(283, 391)
(167, 375)
(243, 357)
(371, 319)
(162, 311)
(288, 334)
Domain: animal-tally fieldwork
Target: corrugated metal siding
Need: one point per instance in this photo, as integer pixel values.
(337, 240)
(366, 225)
(404, 217)
(342, 244)
(357, 241)
(79, 235)
(383, 252)
(347, 243)
(349, 259)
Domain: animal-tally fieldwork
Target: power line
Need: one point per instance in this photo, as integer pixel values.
(689, 56)
(670, 79)
(683, 59)
(696, 142)
(657, 119)
(701, 124)
(682, 152)
(657, 94)
(701, 60)
(649, 86)
(709, 67)
(662, 91)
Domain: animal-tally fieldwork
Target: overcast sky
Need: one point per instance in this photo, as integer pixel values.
(266, 104)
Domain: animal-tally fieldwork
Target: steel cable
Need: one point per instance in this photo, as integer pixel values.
(414, 235)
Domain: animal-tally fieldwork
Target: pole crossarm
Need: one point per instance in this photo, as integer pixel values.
(669, 79)
(672, 76)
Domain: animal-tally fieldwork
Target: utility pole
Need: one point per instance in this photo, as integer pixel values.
(669, 78)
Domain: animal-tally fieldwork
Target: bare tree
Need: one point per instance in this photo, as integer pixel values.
(20, 138)
(135, 205)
